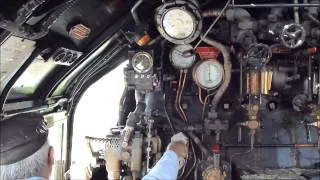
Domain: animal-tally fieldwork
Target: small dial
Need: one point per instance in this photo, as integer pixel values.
(208, 74)
(182, 57)
(142, 62)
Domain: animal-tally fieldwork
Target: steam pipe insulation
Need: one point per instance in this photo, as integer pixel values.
(227, 65)
(134, 117)
(230, 14)
(237, 14)
(212, 13)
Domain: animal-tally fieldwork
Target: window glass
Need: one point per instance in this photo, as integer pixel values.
(28, 82)
(13, 52)
(96, 113)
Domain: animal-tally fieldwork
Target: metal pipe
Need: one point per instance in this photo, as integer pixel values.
(310, 78)
(173, 130)
(227, 65)
(198, 142)
(272, 5)
(35, 109)
(122, 99)
(319, 82)
(212, 25)
(296, 12)
(134, 117)
(313, 19)
(270, 146)
(212, 13)
(134, 13)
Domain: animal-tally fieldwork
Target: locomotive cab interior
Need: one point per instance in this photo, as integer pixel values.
(240, 78)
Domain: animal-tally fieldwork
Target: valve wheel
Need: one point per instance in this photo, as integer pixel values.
(293, 35)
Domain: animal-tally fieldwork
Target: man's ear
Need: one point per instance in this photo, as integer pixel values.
(50, 156)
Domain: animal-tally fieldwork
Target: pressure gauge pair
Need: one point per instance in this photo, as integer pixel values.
(207, 74)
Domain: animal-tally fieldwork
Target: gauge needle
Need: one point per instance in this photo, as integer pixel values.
(209, 74)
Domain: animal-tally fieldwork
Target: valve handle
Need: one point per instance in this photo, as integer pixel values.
(293, 35)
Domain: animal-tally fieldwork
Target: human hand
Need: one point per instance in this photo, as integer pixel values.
(180, 148)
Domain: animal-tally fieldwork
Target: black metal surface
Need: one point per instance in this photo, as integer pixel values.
(46, 92)
(59, 102)
(281, 143)
(96, 15)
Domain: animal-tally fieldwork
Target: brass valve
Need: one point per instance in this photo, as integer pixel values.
(253, 124)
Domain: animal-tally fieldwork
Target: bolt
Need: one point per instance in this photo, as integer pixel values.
(226, 106)
(184, 105)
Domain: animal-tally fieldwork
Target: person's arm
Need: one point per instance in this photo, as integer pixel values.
(166, 168)
(172, 160)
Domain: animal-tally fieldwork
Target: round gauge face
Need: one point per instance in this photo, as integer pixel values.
(209, 74)
(178, 23)
(181, 57)
(142, 62)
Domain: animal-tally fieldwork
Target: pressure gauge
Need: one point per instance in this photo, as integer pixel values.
(180, 59)
(142, 62)
(179, 22)
(208, 74)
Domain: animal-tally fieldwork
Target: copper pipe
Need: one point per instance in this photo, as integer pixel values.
(263, 82)
(177, 96)
(269, 83)
(254, 83)
(266, 80)
(206, 101)
(180, 94)
(248, 83)
(200, 95)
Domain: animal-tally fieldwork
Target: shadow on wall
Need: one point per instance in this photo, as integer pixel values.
(96, 113)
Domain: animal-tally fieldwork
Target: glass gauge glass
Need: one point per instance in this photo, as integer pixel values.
(142, 62)
(208, 74)
(178, 23)
(180, 59)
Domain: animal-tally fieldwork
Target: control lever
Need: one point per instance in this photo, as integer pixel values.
(308, 133)
(149, 136)
(317, 125)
